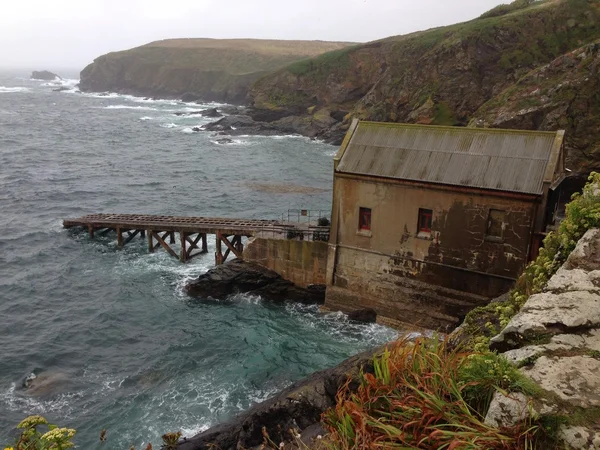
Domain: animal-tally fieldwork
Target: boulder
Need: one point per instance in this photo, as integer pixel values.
(366, 315)
(44, 75)
(224, 141)
(242, 125)
(238, 276)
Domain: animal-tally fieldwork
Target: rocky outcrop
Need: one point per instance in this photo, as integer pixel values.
(196, 69)
(564, 94)
(445, 75)
(297, 408)
(238, 276)
(555, 339)
(44, 75)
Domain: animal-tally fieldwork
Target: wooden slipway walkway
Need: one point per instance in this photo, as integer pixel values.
(160, 232)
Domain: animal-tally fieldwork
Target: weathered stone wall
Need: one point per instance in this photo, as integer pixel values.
(427, 279)
(301, 262)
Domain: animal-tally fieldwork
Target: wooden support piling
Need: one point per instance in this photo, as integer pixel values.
(183, 240)
(119, 237)
(150, 241)
(91, 231)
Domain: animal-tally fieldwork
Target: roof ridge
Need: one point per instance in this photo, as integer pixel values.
(459, 128)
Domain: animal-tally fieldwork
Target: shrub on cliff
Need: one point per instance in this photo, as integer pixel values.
(426, 395)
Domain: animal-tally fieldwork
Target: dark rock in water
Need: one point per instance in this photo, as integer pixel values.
(44, 75)
(60, 89)
(241, 125)
(366, 315)
(224, 141)
(187, 98)
(232, 110)
(298, 407)
(196, 129)
(238, 276)
(212, 112)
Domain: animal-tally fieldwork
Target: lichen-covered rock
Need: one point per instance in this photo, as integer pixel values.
(507, 410)
(575, 379)
(580, 438)
(550, 313)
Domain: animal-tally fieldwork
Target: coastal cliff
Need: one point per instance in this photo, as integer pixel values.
(203, 69)
(444, 76)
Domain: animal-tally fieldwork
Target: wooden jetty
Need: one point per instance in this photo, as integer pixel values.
(160, 232)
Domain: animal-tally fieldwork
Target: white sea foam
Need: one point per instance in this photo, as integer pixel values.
(145, 118)
(14, 401)
(8, 90)
(146, 108)
(169, 125)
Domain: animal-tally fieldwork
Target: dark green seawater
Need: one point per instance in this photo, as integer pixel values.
(111, 337)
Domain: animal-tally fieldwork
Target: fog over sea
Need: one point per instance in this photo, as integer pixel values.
(109, 333)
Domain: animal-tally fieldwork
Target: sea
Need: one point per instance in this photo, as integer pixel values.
(106, 337)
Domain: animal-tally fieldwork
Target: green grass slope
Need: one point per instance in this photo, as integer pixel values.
(213, 69)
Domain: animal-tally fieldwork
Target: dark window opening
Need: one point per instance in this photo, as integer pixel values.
(425, 219)
(495, 223)
(364, 219)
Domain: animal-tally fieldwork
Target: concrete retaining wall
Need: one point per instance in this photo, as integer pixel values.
(301, 262)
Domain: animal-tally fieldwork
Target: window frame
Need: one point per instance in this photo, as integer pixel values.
(424, 213)
(488, 225)
(365, 226)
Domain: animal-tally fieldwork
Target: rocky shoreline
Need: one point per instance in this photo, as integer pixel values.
(297, 408)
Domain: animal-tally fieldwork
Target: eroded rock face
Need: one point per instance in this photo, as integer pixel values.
(571, 300)
(238, 276)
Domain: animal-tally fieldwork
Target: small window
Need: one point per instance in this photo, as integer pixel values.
(495, 223)
(364, 219)
(425, 219)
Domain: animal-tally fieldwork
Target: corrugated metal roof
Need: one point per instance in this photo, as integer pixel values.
(506, 160)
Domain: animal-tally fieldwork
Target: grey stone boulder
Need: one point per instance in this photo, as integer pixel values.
(507, 410)
(580, 438)
(575, 379)
(549, 313)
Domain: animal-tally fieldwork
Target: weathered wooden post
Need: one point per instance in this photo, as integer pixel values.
(219, 250)
(150, 242)
(204, 243)
(91, 231)
(182, 239)
(119, 237)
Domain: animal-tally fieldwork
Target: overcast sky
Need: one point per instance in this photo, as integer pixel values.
(58, 34)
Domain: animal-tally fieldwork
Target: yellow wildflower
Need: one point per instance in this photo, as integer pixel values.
(8, 448)
(32, 421)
